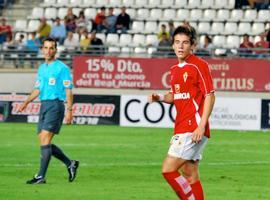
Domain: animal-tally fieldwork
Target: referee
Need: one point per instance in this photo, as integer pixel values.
(53, 86)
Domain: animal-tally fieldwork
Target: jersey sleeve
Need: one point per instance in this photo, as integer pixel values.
(66, 78)
(205, 80)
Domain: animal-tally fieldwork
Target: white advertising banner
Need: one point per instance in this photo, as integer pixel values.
(236, 114)
(228, 113)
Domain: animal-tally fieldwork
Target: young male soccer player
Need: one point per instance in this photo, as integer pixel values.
(53, 86)
(193, 96)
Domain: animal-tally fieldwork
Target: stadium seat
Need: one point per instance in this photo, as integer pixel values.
(182, 14)
(217, 28)
(37, 13)
(88, 3)
(209, 15)
(230, 4)
(17, 36)
(62, 12)
(257, 38)
(76, 11)
(204, 27)
(151, 40)
(155, 14)
(140, 3)
(143, 13)
(90, 13)
(180, 3)
(125, 40)
(219, 41)
(62, 3)
(230, 28)
(219, 4)
(194, 4)
(207, 3)
(169, 14)
(75, 3)
(101, 36)
(232, 41)
(112, 39)
(250, 15)
(138, 40)
(100, 3)
(131, 12)
(222, 15)
(153, 3)
(150, 27)
(33, 25)
(20, 25)
(263, 15)
(114, 50)
(50, 13)
(137, 27)
(151, 50)
(257, 28)
(115, 3)
(48, 3)
(194, 25)
(195, 15)
(167, 4)
(140, 50)
(244, 28)
(126, 50)
(128, 3)
(236, 15)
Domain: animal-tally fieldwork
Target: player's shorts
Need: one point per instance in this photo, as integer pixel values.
(183, 147)
(51, 116)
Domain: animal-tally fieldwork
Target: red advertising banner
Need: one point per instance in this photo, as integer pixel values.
(237, 74)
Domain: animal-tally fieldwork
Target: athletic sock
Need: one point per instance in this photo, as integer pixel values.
(58, 153)
(197, 190)
(46, 153)
(180, 185)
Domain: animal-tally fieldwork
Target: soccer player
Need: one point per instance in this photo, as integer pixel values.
(53, 86)
(193, 96)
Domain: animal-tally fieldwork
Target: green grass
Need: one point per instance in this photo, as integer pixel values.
(119, 163)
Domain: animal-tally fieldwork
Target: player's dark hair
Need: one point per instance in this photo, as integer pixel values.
(49, 39)
(186, 30)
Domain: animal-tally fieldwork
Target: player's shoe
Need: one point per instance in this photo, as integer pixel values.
(72, 170)
(36, 180)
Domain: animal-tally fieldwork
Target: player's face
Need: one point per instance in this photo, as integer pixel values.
(49, 50)
(182, 46)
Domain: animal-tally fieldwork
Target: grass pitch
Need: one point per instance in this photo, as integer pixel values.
(121, 163)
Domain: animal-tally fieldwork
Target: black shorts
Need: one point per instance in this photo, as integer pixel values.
(51, 116)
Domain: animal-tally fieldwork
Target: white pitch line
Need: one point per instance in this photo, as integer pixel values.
(144, 164)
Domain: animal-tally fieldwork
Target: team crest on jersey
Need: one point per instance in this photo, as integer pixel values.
(185, 76)
(177, 88)
(52, 81)
(66, 83)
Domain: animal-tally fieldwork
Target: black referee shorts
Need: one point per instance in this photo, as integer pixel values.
(51, 116)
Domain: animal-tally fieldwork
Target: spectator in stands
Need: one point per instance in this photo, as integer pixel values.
(123, 21)
(5, 31)
(81, 23)
(110, 21)
(20, 46)
(164, 45)
(207, 47)
(261, 44)
(171, 29)
(98, 23)
(32, 47)
(58, 31)
(267, 33)
(259, 4)
(246, 46)
(162, 31)
(70, 21)
(96, 44)
(71, 43)
(44, 29)
(85, 41)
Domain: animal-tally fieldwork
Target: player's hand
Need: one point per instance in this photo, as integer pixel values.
(68, 117)
(198, 134)
(22, 107)
(153, 97)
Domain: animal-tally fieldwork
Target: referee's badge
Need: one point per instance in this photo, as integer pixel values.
(52, 81)
(66, 83)
(37, 84)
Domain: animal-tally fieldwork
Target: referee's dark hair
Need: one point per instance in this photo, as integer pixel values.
(49, 39)
(187, 30)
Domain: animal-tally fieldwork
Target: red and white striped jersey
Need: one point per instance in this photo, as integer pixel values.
(191, 81)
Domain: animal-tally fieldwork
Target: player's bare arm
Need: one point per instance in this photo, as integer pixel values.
(34, 94)
(207, 109)
(68, 115)
(166, 98)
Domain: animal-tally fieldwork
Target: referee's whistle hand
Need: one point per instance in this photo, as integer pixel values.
(68, 117)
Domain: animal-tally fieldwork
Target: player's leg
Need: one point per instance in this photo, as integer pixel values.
(190, 171)
(177, 181)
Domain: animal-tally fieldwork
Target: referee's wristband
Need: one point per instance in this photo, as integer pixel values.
(69, 109)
